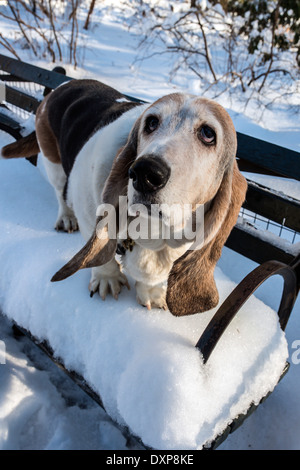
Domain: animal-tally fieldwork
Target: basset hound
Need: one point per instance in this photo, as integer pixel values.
(100, 148)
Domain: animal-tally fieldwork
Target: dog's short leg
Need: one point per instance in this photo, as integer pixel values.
(151, 296)
(66, 219)
(107, 278)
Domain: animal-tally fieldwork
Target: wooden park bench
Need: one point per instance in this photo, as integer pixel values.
(22, 88)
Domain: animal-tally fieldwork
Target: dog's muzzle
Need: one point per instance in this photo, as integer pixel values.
(149, 174)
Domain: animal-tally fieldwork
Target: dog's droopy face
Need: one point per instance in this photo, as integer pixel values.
(184, 146)
(180, 151)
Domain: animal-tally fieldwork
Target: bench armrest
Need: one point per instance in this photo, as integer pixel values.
(242, 292)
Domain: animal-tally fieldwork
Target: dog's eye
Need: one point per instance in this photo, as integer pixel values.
(151, 124)
(207, 135)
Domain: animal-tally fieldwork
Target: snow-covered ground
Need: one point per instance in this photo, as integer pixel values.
(42, 409)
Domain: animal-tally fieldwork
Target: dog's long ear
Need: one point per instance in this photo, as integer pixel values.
(96, 252)
(191, 285)
(100, 249)
(117, 181)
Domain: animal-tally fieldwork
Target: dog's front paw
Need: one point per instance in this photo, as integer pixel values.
(66, 220)
(107, 279)
(151, 297)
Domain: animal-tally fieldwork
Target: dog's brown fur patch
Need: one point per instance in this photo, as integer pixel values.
(45, 135)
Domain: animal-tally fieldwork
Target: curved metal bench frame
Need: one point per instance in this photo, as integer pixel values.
(233, 303)
(231, 307)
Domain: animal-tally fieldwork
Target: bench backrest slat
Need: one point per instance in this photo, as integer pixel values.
(21, 99)
(31, 73)
(284, 162)
(254, 247)
(270, 204)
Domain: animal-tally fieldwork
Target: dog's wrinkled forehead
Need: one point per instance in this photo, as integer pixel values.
(180, 109)
(180, 113)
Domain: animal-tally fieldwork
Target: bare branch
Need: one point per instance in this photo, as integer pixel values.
(8, 46)
(87, 21)
(20, 23)
(207, 55)
(53, 29)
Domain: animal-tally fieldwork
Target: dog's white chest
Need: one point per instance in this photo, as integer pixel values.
(149, 266)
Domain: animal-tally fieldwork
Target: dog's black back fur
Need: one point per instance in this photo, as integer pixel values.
(77, 110)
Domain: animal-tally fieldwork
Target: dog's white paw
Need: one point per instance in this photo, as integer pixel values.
(151, 297)
(66, 222)
(107, 279)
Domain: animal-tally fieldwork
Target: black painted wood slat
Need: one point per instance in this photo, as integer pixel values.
(273, 206)
(32, 73)
(7, 121)
(8, 77)
(269, 156)
(21, 99)
(255, 248)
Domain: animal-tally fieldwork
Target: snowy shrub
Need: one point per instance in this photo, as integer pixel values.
(230, 45)
(49, 28)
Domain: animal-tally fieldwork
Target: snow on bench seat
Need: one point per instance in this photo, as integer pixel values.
(143, 364)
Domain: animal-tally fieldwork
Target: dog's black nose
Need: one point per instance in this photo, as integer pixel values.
(149, 174)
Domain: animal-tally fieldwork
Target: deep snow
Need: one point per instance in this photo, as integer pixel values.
(33, 397)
